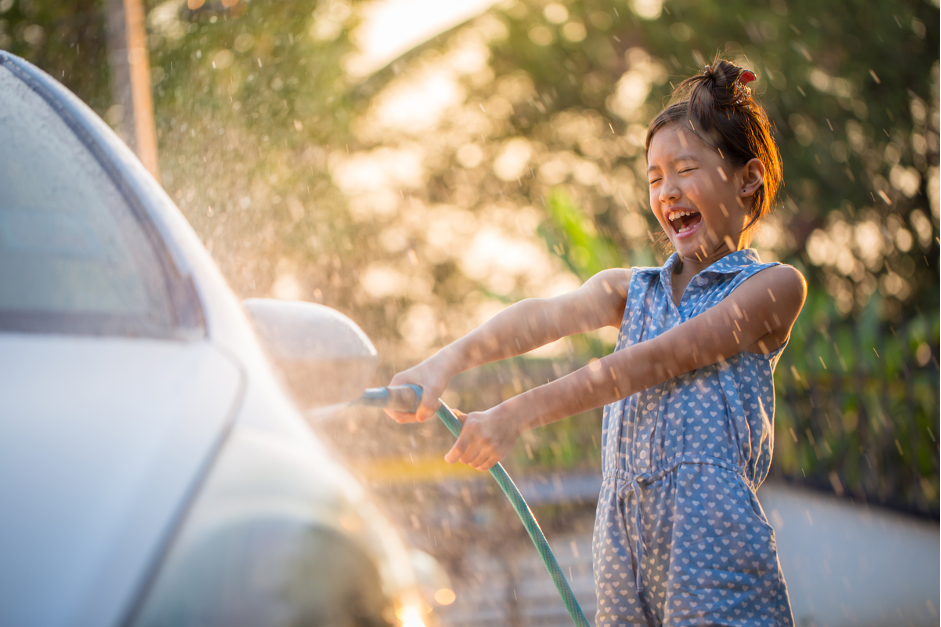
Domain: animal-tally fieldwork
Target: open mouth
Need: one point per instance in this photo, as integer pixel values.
(683, 220)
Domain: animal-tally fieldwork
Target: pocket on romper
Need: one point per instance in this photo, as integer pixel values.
(721, 541)
(757, 511)
(760, 550)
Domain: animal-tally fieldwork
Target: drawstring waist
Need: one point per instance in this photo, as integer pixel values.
(668, 466)
(629, 484)
(633, 487)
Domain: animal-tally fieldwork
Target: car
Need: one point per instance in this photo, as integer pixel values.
(155, 463)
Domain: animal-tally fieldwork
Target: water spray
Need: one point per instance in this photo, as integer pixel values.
(406, 398)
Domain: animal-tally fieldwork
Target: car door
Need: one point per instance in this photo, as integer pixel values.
(114, 398)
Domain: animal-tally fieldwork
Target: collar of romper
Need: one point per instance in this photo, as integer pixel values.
(730, 264)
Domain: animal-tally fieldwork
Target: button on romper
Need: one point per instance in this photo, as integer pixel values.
(680, 538)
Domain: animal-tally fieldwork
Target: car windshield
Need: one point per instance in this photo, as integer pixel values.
(73, 256)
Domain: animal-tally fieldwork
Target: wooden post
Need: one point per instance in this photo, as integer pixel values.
(130, 79)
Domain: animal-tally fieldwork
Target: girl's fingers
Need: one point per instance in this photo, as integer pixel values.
(471, 447)
(492, 461)
(423, 413)
(479, 461)
(468, 439)
(401, 417)
(426, 411)
(457, 451)
(474, 449)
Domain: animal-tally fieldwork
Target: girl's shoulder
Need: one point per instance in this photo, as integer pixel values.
(613, 280)
(787, 278)
(777, 293)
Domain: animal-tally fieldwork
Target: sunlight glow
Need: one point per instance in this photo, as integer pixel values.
(418, 104)
(392, 27)
(634, 85)
(647, 9)
(410, 617)
(513, 159)
(445, 596)
(497, 258)
(383, 167)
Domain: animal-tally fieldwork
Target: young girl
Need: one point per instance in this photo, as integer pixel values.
(680, 538)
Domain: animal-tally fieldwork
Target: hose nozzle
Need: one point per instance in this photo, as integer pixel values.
(404, 398)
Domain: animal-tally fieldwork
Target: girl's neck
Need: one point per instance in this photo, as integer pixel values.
(688, 267)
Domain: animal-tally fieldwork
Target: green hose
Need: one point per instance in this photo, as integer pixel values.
(529, 521)
(406, 398)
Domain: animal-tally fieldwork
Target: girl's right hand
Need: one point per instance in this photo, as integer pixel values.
(433, 379)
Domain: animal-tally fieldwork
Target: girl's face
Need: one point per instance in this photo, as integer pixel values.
(701, 201)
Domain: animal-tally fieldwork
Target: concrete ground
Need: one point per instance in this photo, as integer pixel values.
(845, 564)
(848, 564)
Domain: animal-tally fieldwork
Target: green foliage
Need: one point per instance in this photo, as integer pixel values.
(572, 235)
(858, 405)
(849, 88)
(255, 115)
(852, 91)
(67, 40)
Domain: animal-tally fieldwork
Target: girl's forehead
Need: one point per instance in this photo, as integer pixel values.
(673, 139)
(674, 142)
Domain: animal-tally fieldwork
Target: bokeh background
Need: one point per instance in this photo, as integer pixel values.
(419, 172)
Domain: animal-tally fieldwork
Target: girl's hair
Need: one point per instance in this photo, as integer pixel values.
(721, 111)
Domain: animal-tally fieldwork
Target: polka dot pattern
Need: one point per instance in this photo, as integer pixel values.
(680, 537)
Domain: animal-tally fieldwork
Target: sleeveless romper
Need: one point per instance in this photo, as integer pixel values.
(680, 538)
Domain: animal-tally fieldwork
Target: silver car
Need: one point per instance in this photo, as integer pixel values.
(154, 469)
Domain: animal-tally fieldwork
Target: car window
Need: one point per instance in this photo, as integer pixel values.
(73, 256)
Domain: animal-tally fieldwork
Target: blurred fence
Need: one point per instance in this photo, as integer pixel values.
(866, 438)
(857, 409)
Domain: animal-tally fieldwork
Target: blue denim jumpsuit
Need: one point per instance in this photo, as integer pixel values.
(680, 538)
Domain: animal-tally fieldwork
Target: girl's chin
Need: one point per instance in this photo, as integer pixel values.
(686, 242)
(694, 247)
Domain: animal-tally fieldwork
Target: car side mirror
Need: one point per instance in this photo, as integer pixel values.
(323, 357)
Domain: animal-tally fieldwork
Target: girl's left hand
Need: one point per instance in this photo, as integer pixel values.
(485, 439)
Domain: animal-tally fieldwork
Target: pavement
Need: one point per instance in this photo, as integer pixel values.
(845, 564)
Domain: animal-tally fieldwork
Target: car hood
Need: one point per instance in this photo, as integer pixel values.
(102, 443)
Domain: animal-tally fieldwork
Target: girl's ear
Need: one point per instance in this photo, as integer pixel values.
(753, 177)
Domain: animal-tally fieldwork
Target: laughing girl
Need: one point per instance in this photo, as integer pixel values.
(688, 393)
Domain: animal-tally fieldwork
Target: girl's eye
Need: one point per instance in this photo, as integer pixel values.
(652, 181)
(686, 170)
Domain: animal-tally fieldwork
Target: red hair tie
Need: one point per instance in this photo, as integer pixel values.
(742, 92)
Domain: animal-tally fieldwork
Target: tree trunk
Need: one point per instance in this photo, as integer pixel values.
(130, 79)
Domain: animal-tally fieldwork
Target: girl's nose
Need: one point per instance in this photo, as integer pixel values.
(668, 190)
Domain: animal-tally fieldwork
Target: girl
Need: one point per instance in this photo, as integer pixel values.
(680, 538)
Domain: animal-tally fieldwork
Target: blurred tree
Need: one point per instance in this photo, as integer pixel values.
(67, 40)
(504, 159)
(556, 120)
(129, 65)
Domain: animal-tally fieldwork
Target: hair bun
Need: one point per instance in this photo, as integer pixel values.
(720, 79)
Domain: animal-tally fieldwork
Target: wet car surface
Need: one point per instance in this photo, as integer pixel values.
(153, 468)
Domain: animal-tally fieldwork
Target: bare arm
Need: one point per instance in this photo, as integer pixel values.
(535, 322)
(757, 313)
(518, 329)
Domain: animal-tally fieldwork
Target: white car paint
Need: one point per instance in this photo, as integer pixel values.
(110, 435)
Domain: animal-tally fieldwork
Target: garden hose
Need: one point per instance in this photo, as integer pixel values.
(406, 398)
